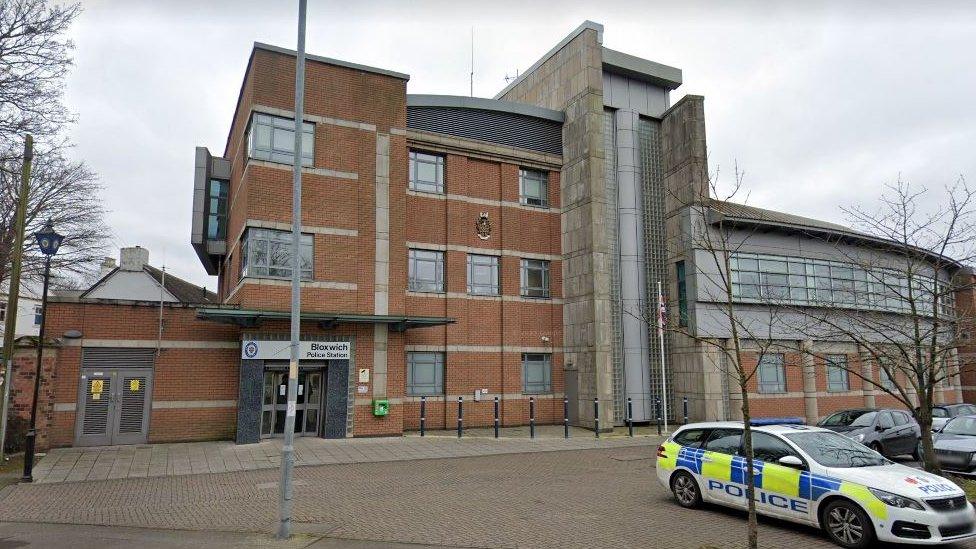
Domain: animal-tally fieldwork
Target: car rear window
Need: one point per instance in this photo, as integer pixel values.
(690, 437)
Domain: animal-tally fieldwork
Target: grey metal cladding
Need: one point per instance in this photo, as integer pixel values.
(117, 357)
(502, 128)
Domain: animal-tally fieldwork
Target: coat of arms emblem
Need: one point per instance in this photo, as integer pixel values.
(483, 226)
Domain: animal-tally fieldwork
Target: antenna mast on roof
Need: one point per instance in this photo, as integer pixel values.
(472, 61)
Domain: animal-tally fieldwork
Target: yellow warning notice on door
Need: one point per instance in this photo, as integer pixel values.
(96, 386)
(96, 396)
(134, 385)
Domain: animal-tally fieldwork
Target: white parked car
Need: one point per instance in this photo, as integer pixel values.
(817, 477)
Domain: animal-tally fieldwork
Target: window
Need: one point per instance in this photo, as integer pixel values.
(940, 412)
(535, 278)
(691, 437)
(38, 315)
(267, 253)
(217, 209)
(426, 271)
(425, 374)
(885, 421)
(885, 377)
(837, 375)
(536, 373)
(682, 294)
(3, 311)
(900, 419)
(272, 138)
(534, 188)
(426, 172)
(725, 441)
(482, 274)
(772, 373)
(769, 448)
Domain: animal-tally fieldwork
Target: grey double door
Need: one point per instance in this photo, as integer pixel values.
(115, 405)
(308, 408)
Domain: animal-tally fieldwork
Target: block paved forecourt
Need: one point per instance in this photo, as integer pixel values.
(584, 498)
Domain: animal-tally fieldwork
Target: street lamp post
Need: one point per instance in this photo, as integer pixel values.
(49, 242)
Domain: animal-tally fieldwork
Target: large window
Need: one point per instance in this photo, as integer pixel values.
(534, 188)
(884, 376)
(267, 253)
(536, 373)
(217, 209)
(272, 138)
(426, 271)
(830, 283)
(682, 294)
(482, 274)
(425, 374)
(535, 278)
(772, 373)
(38, 315)
(426, 172)
(837, 376)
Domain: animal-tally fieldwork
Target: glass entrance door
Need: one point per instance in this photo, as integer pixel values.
(308, 406)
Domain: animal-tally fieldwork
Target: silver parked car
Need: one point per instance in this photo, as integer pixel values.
(888, 432)
(955, 445)
(942, 414)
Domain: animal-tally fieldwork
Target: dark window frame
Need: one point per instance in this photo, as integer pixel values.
(415, 256)
(438, 360)
(543, 360)
(440, 172)
(537, 292)
(254, 236)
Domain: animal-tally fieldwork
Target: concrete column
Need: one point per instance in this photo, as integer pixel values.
(867, 371)
(381, 285)
(735, 396)
(809, 382)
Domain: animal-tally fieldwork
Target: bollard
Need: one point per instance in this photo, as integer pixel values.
(460, 415)
(657, 405)
(531, 417)
(684, 404)
(630, 416)
(496, 417)
(423, 415)
(596, 416)
(565, 417)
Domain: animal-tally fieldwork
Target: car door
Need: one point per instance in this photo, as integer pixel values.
(907, 433)
(886, 433)
(779, 485)
(719, 449)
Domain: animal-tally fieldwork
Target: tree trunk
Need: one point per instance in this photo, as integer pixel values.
(753, 528)
(924, 418)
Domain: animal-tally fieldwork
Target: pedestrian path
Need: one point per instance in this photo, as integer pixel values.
(162, 460)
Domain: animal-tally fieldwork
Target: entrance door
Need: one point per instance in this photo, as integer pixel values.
(115, 405)
(308, 405)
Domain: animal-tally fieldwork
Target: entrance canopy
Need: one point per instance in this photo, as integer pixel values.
(250, 318)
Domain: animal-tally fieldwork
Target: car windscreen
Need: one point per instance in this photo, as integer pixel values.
(965, 426)
(847, 417)
(833, 450)
(864, 420)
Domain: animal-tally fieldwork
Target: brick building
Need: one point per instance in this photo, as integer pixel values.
(452, 247)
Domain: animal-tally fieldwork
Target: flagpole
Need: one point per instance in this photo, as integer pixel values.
(660, 335)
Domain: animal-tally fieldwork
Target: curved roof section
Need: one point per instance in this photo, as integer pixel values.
(752, 216)
(493, 121)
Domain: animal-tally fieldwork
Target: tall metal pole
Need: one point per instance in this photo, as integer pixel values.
(13, 294)
(288, 448)
(660, 335)
(32, 430)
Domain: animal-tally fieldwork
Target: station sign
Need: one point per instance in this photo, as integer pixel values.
(308, 350)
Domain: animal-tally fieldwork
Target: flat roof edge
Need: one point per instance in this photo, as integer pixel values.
(641, 69)
(562, 43)
(499, 105)
(331, 61)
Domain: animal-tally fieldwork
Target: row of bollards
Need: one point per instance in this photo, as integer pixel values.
(596, 416)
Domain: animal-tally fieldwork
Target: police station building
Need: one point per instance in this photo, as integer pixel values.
(451, 247)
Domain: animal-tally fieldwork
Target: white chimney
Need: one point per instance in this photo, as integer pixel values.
(108, 265)
(133, 259)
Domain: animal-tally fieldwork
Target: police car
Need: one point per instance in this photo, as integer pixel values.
(817, 477)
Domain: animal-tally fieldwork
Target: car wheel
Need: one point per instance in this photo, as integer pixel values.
(847, 525)
(685, 490)
(876, 446)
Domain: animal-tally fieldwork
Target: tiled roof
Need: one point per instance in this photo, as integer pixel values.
(185, 291)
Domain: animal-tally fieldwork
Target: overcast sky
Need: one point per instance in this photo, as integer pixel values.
(819, 105)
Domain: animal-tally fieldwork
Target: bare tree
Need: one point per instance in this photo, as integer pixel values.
(898, 305)
(34, 59)
(67, 193)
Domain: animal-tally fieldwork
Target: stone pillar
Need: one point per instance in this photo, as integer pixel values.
(249, 401)
(809, 382)
(867, 371)
(735, 395)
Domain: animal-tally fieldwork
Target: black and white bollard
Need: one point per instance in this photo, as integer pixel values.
(423, 415)
(657, 406)
(531, 417)
(596, 416)
(630, 416)
(565, 417)
(684, 405)
(496, 417)
(460, 415)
